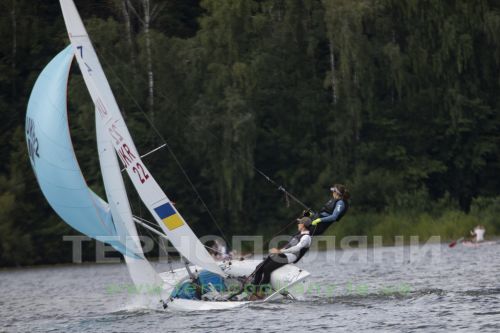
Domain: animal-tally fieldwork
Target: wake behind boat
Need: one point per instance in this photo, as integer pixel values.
(205, 285)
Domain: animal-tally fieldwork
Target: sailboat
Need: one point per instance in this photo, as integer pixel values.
(61, 180)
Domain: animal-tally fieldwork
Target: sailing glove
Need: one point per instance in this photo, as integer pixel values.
(315, 222)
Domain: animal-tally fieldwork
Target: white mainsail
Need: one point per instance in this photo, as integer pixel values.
(177, 230)
(142, 273)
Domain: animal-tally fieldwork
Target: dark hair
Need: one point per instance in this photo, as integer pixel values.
(343, 191)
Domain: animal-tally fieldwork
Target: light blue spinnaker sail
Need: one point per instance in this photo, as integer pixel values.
(53, 159)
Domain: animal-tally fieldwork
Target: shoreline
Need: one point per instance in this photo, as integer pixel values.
(157, 260)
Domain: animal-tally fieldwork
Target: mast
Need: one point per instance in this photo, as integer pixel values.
(164, 212)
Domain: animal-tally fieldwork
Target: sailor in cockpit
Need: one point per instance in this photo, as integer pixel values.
(292, 252)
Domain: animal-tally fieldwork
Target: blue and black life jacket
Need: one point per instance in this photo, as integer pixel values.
(326, 211)
(329, 207)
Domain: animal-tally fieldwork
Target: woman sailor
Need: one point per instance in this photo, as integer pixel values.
(332, 211)
(292, 252)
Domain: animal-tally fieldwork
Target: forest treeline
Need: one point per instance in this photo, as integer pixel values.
(398, 99)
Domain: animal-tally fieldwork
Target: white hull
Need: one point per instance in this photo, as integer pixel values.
(282, 279)
(68, 189)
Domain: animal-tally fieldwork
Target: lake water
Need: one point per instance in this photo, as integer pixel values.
(430, 289)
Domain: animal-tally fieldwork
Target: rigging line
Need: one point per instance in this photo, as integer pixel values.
(281, 230)
(148, 153)
(279, 187)
(151, 230)
(154, 225)
(148, 224)
(169, 149)
(143, 222)
(161, 247)
(152, 151)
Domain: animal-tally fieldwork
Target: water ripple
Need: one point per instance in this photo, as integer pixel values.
(419, 296)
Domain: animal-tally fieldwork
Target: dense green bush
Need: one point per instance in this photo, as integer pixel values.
(397, 99)
(413, 214)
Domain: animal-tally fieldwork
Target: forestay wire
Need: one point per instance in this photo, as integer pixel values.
(288, 195)
(170, 151)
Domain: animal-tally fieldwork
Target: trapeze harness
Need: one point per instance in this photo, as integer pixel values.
(262, 275)
(294, 241)
(326, 211)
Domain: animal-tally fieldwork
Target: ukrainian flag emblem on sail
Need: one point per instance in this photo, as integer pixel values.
(169, 216)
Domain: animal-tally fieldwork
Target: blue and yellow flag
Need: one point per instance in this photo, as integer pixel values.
(169, 216)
